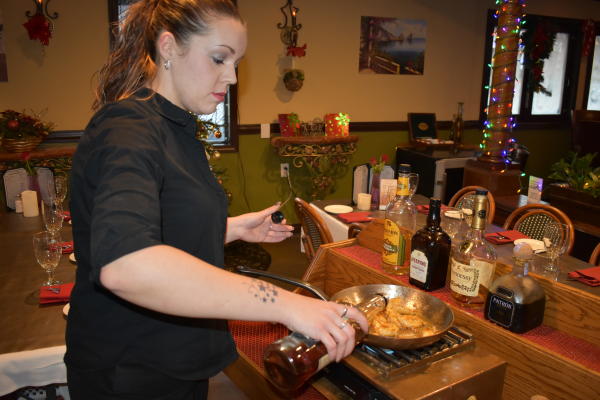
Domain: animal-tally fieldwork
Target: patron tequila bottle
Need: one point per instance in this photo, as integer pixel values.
(473, 261)
(399, 226)
(430, 252)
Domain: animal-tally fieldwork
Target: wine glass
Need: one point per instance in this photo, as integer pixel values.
(452, 220)
(466, 206)
(556, 240)
(47, 250)
(53, 216)
(413, 183)
(58, 189)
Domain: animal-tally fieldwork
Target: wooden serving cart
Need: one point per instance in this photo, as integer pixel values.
(559, 360)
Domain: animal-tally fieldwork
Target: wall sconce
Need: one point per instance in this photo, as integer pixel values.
(39, 24)
(289, 34)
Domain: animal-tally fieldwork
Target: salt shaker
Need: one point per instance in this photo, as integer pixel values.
(18, 204)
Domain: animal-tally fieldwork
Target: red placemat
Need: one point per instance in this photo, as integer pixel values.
(56, 293)
(251, 339)
(578, 350)
(358, 216)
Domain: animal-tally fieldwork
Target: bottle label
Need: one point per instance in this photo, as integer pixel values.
(501, 311)
(418, 266)
(466, 278)
(394, 244)
(403, 187)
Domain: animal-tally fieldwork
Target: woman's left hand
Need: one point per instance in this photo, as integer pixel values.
(258, 227)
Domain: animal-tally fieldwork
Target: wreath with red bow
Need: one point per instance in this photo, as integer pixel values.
(39, 28)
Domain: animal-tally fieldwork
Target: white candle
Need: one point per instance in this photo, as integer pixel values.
(30, 203)
(364, 201)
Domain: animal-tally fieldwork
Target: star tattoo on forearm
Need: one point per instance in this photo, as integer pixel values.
(263, 291)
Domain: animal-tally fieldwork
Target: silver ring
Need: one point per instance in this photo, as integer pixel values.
(342, 325)
(344, 312)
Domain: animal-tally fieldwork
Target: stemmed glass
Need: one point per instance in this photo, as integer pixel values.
(53, 217)
(47, 250)
(556, 240)
(58, 189)
(466, 206)
(413, 183)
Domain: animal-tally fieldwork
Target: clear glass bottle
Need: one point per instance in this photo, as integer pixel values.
(399, 226)
(292, 360)
(517, 301)
(430, 252)
(474, 261)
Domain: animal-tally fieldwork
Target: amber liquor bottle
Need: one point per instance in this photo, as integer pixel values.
(399, 226)
(292, 360)
(473, 262)
(430, 252)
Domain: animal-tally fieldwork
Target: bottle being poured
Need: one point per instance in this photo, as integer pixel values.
(292, 360)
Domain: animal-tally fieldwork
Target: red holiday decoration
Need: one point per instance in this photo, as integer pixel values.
(296, 51)
(337, 124)
(39, 28)
(589, 36)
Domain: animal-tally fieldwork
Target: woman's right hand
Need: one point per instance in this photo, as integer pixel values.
(324, 321)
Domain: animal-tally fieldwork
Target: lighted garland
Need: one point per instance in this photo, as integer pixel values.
(499, 111)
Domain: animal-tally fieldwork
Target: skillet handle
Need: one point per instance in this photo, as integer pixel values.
(296, 282)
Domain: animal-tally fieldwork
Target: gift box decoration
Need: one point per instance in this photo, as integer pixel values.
(337, 124)
(289, 124)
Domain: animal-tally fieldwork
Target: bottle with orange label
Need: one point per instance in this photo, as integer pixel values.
(399, 226)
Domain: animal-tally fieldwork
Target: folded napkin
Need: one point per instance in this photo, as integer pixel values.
(509, 237)
(66, 216)
(358, 216)
(56, 293)
(67, 247)
(425, 208)
(589, 276)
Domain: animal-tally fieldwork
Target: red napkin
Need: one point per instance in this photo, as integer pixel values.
(589, 276)
(67, 247)
(358, 216)
(66, 216)
(425, 208)
(56, 293)
(511, 235)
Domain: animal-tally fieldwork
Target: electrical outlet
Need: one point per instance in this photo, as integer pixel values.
(284, 169)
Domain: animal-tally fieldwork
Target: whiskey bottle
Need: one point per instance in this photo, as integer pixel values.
(292, 360)
(458, 126)
(399, 226)
(516, 301)
(473, 262)
(430, 252)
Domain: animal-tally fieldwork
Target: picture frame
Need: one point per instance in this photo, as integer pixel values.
(421, 126)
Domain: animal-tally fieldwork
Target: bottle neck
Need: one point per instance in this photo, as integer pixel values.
(433, 218)
(403, 189)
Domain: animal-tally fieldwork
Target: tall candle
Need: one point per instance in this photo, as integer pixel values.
(30, 203)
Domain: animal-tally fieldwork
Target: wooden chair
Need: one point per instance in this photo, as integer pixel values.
(530, 219)
(458, 198)
(315, 230)
(595, 257)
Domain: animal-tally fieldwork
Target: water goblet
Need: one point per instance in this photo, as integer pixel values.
(53, 216)
(452, 221)
(47, 251)
(466, 206)
(58, 189)
(556, 240)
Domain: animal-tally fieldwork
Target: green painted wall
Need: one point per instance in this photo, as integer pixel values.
(252, 174)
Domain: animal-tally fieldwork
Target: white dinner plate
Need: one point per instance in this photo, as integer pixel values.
(66, 309)
(338, 209)
(72, 258)
(536, 245)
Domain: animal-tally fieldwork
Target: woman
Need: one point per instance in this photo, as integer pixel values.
(149, 308)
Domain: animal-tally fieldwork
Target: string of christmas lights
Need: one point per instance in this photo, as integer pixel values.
(500, 121)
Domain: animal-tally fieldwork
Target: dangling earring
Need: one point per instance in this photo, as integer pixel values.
(167, 64)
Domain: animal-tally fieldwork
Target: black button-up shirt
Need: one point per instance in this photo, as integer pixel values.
(140, 178)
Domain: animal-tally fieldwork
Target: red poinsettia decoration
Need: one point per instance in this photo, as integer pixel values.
(39, 28)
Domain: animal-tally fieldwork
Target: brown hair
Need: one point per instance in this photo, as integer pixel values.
(132, 62)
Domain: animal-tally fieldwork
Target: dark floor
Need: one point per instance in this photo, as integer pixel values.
(286, 259)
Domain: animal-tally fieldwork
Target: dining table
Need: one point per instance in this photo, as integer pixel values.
(567, 263)
(32, 342)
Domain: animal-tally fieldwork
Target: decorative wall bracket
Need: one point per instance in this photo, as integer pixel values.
(326, 158)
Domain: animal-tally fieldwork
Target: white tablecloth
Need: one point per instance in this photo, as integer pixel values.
(32, 368)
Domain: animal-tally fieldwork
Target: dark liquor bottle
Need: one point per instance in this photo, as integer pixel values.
(291, 360)
(516, 301)
(430, 252)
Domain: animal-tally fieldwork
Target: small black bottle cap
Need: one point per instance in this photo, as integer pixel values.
(277, 217)
(404, 168)
(481, 192)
